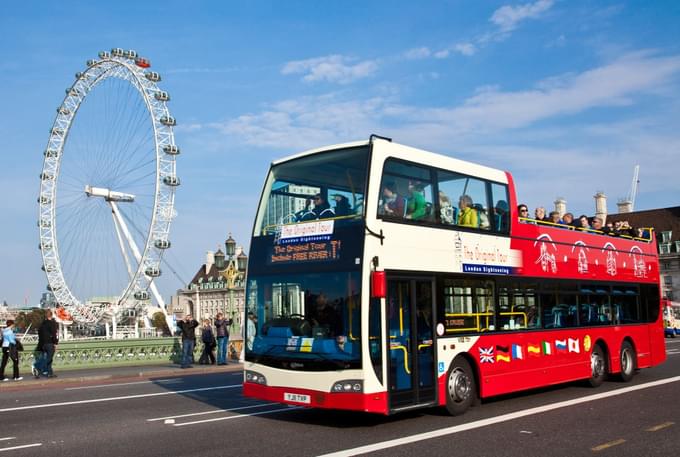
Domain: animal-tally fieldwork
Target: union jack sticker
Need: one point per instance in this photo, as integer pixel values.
(486, 355)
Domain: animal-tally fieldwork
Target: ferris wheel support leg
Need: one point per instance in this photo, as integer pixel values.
(120, 242)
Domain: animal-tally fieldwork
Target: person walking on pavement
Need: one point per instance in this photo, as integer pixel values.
(48, 339)
(222, 330)
(209, 343)
(10, 351)
(187, 328)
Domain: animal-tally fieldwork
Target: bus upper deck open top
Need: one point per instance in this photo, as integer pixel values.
(383, 278)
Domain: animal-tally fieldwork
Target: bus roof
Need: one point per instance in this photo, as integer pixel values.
(407, 153)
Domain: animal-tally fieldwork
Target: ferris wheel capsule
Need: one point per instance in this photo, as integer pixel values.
(130, 54)
(142, 62)
(141, 295)
(117, 52)
(171, 149)
(162, 244)
(91, 62)
(51, 153)
(162, 96)
(168, 120)
(171, 181)
(104, 55)
(153, 76)
(152, 272)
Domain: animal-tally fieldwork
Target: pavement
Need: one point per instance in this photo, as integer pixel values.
(118, 374)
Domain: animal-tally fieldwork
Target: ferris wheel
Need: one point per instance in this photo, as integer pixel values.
(107, 189)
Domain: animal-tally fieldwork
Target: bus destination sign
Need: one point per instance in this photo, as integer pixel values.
(313, 251)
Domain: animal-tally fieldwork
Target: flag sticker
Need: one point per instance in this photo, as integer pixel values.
(574, 346)
(547, 348)
(486, 355)
(561, 345)
(517, 352)
(503, 353)
(534, 349)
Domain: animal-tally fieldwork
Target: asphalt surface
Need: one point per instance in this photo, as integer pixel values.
(165, 411)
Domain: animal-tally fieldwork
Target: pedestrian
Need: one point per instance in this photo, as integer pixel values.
(10, 350)
(48, 339)
(208, 338)
(187, 328)
(222, 330)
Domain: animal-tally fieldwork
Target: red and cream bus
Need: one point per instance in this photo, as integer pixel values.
(383, 278)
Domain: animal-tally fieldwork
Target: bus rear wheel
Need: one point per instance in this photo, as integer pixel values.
(627, 358)
(461, 388)
(598, 366)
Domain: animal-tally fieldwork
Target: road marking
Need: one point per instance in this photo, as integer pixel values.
(604, 446)
(495, 420)
(126, 397)
(160, 381)
(8, 438)
(656, 428)
(24, 446)
(211, 412)
(238, 416)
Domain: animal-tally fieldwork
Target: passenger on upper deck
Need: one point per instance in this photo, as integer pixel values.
(447, 212)
(342, 207)
(467, 215)
(555, 218)
(523, 212)
(597, 225)
(416, 206)
(583, 222)
(393, 204)
(539, 214)
(501, 216)
(568, 219)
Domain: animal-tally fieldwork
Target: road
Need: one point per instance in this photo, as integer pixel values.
(205, 415)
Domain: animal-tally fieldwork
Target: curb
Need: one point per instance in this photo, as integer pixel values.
(68, 377)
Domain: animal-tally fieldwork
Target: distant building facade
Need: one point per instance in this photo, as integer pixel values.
(217, 286)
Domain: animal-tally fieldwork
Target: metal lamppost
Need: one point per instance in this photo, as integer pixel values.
(242, 264)
(230, 246)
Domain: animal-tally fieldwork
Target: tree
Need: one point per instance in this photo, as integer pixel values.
(158, 322)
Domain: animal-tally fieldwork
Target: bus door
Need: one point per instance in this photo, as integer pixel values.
(411, 360)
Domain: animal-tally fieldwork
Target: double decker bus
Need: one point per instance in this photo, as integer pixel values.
(383, 278)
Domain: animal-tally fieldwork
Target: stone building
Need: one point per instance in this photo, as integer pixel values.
(217, 286)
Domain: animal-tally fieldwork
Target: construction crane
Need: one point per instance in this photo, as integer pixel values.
(626, 205)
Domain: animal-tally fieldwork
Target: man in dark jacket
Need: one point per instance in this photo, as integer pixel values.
(222, 327)
(187, 328)
(48, 338)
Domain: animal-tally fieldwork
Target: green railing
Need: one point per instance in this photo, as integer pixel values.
(107, 353)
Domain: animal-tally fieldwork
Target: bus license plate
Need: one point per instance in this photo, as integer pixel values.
(297, 398)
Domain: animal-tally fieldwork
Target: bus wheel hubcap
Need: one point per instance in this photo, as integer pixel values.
(459, 385)
(626, 361)
(596, 364)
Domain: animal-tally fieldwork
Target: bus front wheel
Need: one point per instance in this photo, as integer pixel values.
(460, 387)
(598, 366)
(627, 362)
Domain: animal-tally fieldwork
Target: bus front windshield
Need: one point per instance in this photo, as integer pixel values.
(327, 185)
(308, 322)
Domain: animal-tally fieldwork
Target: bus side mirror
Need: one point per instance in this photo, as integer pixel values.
(378, 284)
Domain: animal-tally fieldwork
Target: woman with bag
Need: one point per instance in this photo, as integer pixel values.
(10, 350)
(209, 343)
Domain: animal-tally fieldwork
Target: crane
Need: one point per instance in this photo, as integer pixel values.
(633, 187)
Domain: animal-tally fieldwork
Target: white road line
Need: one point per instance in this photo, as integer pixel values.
(8, 438)
(160, 381)
(494, 420)
(238, 416)
(126, 397)
(19, 447)
(214, 411)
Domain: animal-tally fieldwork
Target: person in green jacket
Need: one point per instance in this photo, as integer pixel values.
(467, 215)
(416, 206)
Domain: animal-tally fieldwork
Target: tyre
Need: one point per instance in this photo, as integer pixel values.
(461, 388)
(598, 366)
(628, 362)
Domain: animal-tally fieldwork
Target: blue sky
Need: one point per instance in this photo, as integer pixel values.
(567, 95)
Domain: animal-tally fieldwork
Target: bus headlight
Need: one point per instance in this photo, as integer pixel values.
(257, 378)
(354, 386)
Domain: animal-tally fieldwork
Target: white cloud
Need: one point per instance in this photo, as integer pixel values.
(418, 53)
(467, 49)
(334, 68)
(508, 17)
